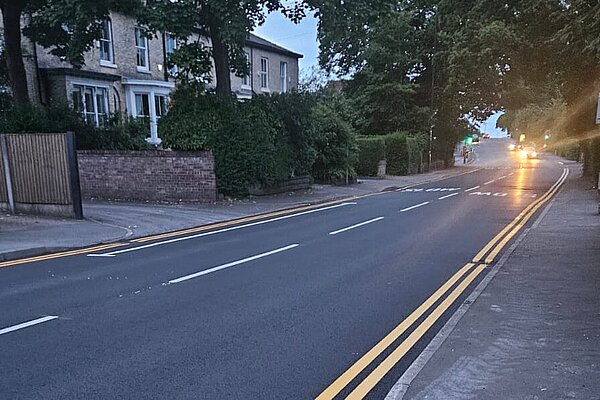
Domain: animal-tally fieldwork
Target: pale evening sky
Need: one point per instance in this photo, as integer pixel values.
(302, 38)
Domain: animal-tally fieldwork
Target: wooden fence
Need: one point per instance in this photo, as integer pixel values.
(39, 174)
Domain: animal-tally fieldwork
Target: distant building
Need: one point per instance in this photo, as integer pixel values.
(126, 72)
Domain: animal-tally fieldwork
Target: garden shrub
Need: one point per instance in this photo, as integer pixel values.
(396, 154)
(116, 134)
(335, 147)
(416, 146)
(371, 150)
(261, 141)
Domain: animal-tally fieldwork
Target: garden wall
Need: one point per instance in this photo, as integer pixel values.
(148, 175)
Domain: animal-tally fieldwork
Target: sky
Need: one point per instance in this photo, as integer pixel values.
(302, 38)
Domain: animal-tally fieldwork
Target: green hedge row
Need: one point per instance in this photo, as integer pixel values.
(371, 150)
(116, 134)
(264, 140)
(402, 152)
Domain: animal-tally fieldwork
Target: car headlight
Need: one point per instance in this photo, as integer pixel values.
(534, 154)
(511, 147)
(523, 153)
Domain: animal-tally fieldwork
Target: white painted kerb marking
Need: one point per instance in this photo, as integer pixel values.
(27, 324)
(415, 206)
(448, 195)
(356, 226)
(232, 264)
(473, 188)
(233, 228)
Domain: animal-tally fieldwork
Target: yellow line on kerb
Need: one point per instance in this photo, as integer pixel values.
(340, 383)
(499, 241)
(60, 254)
(526, 213)
(490, 258)
(390, 361)
(240, 220)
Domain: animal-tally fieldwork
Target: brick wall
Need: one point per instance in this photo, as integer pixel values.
(148, 175)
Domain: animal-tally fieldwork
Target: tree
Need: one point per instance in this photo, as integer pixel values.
(67, 27)
(226, 22)
(11, 18)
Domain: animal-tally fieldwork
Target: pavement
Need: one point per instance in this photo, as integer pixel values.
(534, 331)
(106, 222)
(337, 300)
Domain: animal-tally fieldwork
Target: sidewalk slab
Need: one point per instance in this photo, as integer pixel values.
(534, 332)
(24, 236)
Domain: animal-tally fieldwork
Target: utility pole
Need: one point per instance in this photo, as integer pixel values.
(431, 111)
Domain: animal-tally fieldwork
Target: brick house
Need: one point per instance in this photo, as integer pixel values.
(126, 72)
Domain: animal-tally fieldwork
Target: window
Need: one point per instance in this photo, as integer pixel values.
(246, 78)
(107, 55)
(161, 104)
(142, 105)
(170, 47)
(264, 73)
(92, 103)
(283, 76)
(141, 47)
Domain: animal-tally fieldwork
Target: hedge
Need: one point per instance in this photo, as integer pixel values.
(116, 134)
(262, 141)
(371, 150)
(402, 152)
(396, 154)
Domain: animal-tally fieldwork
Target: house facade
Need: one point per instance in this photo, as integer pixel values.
(125, 72)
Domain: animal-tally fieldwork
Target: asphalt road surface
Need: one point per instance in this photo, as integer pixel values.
(333, 301)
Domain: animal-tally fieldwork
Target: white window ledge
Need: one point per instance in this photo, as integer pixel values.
(246, 87)
(143, 70)
(266, 90)
(108, 64)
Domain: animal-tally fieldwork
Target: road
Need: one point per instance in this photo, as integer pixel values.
(332, 301)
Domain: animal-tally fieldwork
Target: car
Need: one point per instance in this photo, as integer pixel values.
(531, 152)
(486, 136)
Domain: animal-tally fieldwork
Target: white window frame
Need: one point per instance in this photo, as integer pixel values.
(172, 71)
(83, 86)
(111, 50)
(145, 49)
(151, 88)
(283, 76)
(246, 82)
(264, 74)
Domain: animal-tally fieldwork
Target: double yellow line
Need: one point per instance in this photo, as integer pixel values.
(472, 270)
(202, 228)
(516, 224)
(60, 254)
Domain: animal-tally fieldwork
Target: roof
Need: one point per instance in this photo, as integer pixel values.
(260, 43)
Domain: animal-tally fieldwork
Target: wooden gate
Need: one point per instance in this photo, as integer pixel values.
(39, 174)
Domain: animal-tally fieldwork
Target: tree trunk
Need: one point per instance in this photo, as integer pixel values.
(221, 57)
(11, 17)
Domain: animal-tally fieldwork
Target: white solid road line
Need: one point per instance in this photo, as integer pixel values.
(232, 264)
(473, 188)
(415, 206)
(448, 195)
(27, 324)
(356, 226)
(113, 253)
